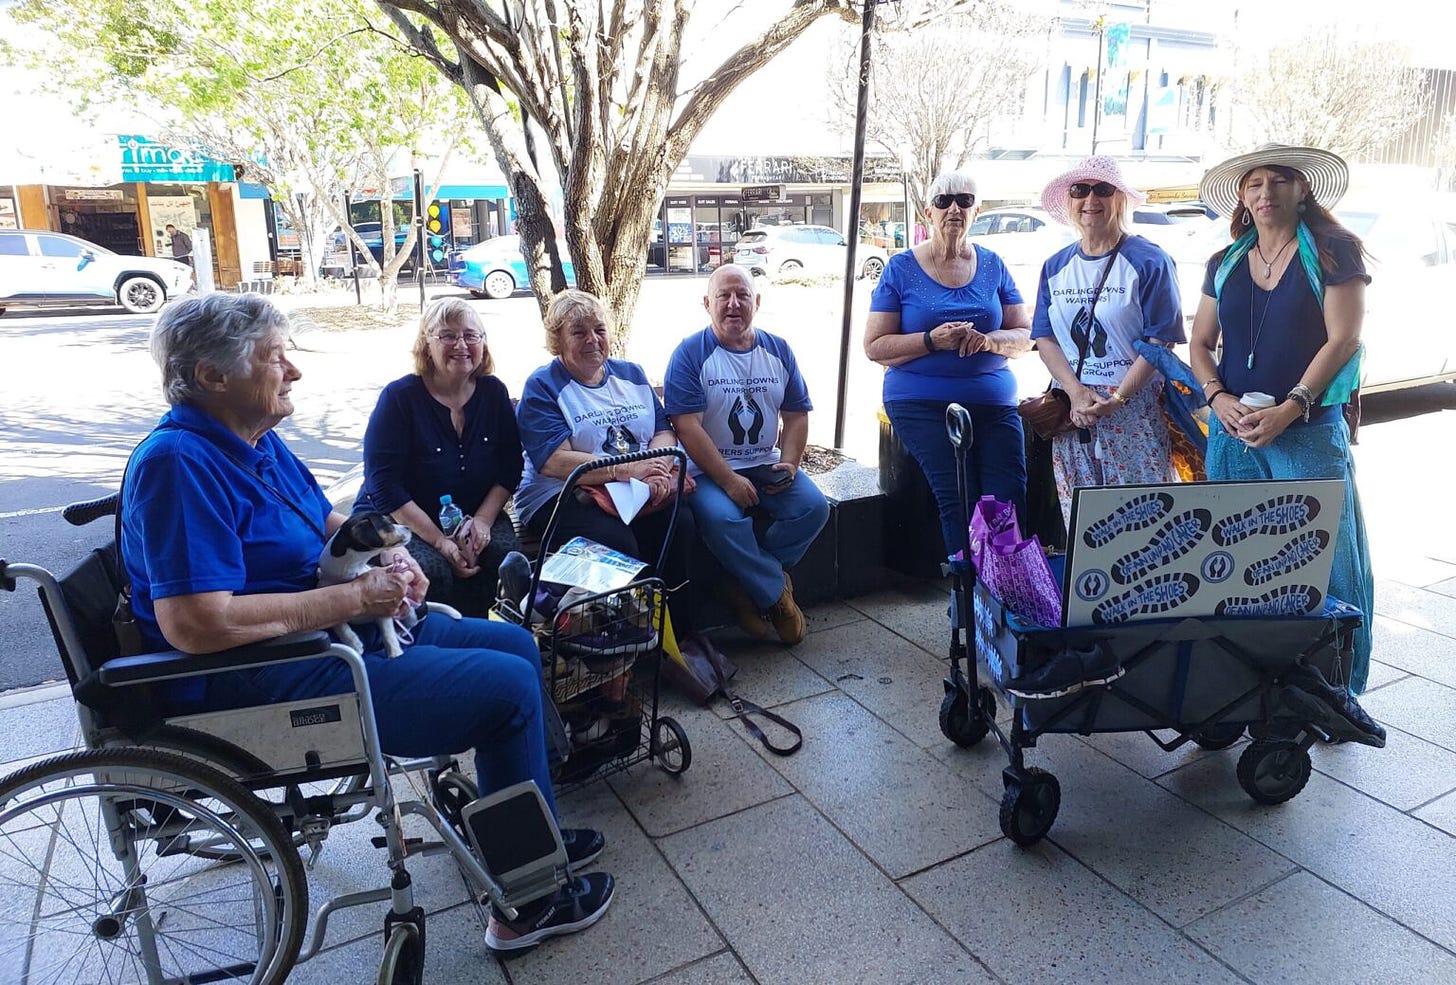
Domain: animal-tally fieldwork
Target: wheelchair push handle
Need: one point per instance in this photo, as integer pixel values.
(80, 514)
(958, 426)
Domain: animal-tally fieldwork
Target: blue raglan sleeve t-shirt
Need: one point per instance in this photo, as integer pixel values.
(923, 303)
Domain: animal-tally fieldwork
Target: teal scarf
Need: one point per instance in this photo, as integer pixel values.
(1347, 380)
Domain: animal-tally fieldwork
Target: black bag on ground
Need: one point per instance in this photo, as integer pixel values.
(1043, 509)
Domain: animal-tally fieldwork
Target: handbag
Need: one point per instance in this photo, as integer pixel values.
(701, 671)
(1050, 413)
(598, 495)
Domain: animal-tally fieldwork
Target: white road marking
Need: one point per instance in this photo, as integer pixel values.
(44, 509)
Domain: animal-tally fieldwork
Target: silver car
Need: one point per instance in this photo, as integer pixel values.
(776, 250)
(39, 268)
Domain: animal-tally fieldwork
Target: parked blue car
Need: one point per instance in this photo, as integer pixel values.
(495, 269)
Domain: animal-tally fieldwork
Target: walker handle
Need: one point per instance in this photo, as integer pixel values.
(958, 426)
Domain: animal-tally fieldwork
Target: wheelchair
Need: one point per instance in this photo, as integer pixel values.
(167, 850)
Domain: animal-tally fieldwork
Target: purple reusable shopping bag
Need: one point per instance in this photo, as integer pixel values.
(1013, 569)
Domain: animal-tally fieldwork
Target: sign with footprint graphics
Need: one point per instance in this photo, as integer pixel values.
(1200, 549)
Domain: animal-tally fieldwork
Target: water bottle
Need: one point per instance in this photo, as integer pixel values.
(450, 516)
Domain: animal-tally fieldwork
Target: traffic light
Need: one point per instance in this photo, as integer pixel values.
(436, 225)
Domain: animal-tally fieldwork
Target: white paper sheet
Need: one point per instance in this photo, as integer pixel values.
(628, 496)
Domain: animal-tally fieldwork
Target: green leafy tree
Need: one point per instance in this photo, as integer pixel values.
(312, 97)
(590, 96)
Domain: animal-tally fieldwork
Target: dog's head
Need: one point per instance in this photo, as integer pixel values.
(368, 533)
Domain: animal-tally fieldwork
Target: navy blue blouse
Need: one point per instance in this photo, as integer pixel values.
(411, 450)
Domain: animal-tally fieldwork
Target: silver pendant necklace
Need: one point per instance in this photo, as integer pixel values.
(1256, 331)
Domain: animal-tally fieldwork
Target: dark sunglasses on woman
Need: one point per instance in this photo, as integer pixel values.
(1082, 189)
(964, 199)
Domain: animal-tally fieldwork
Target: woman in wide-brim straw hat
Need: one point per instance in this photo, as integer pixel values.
(1089, 350)
(1287, 300)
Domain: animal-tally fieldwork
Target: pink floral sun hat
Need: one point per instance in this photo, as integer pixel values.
(1092, 170)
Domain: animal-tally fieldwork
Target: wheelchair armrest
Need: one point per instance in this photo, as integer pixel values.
(146, 668)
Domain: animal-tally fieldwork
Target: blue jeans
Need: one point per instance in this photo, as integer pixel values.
(995, 460)
(798, 514)
(462, 684)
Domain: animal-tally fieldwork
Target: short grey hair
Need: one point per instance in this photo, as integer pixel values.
(948, 182)
(219, 330)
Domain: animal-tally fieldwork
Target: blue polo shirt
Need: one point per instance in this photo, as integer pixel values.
(204, 511)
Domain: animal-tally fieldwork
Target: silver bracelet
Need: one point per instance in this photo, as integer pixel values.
(1301, 395)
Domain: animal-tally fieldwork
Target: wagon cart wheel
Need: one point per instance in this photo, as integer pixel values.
(959, 722)
(1273, 770)
(1220, 735)
(404, 956)
(670, 746)
(1029, 806)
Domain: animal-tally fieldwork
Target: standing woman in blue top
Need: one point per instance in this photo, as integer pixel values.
(944, 318)
(448, 428)
(1287, 299)
(1122, 436)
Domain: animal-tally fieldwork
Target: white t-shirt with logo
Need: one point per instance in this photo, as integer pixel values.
(739, 394)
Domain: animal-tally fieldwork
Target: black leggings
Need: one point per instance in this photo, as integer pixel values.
(641, 539)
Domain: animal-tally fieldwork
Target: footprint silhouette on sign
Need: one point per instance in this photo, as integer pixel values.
(1137, 513)
(1294, 555)
(1282, 601)
(1280, 515)
(1173, 540)
(1151, 597)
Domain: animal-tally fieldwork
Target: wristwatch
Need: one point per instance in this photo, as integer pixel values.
(1302, 396)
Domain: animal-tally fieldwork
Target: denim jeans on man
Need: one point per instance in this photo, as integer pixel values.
(462, 684)
(995, 459)
(798, 514)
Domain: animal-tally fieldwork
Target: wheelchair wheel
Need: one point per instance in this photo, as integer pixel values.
(94, 886)
(404, 957)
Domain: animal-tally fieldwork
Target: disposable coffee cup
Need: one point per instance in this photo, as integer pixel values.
(1257, 401)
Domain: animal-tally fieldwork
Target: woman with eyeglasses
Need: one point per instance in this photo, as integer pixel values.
(944, 318)
(448, 428)
(1096, 298)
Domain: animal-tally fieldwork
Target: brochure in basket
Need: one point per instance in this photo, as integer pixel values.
(590, 565)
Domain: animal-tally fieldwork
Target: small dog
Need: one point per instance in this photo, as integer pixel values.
(349, 552)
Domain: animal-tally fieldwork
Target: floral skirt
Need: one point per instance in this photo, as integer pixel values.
(1129, 447)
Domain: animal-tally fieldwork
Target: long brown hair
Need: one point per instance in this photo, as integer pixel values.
(1321, 222)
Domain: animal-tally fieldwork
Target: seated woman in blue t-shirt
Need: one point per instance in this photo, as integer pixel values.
(944, 318)
(222, 527)
(448, 428)
(581, 406)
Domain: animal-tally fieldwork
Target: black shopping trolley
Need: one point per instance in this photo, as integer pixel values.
(601, 646)
(1206, 679)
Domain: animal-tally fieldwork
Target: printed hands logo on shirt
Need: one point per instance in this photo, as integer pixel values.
(619, 441)
(745, 420)
(1098, 345)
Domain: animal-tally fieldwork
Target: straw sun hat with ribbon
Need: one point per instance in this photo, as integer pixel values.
(1327, 174)
(1091, 171)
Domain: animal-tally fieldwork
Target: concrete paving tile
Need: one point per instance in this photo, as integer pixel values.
(1413, 568)
(915, 610)
(828, 615)
(37, 728)
(897, 681)
(653, 925)
(724, 776)
(1415, 650)
(1441, 813)
(804, 905)
(720, 969)
(1138, 752)
(1415, 607)
(769, 674)
(1039, 917)
(1424, 771)
(901, 806)
(1390, 861)
(1172, 858)
(1422, 708)
(1381, 674)
(1282, 934)
(1446, 586)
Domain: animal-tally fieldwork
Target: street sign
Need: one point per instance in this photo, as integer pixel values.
(764, 193)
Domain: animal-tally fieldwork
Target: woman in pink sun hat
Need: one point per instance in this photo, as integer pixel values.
(1096, 299)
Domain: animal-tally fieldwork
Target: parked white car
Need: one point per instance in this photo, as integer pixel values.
(39, 268)
(776, 250)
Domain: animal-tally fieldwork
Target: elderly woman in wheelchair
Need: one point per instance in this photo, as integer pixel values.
(220, 532)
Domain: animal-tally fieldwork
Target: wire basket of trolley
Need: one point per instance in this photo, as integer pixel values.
(1196, 609)
(601, 620)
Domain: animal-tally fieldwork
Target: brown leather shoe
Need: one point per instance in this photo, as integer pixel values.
(786, 616)
(749, 616)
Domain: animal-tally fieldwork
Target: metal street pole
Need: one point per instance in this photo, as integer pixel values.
(419, 223)
(1100, 26)
(861, 117)
(905, 191)
(349, 245)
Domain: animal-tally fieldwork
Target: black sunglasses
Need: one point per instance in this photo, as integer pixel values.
(964, 199)
(1102, 189)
